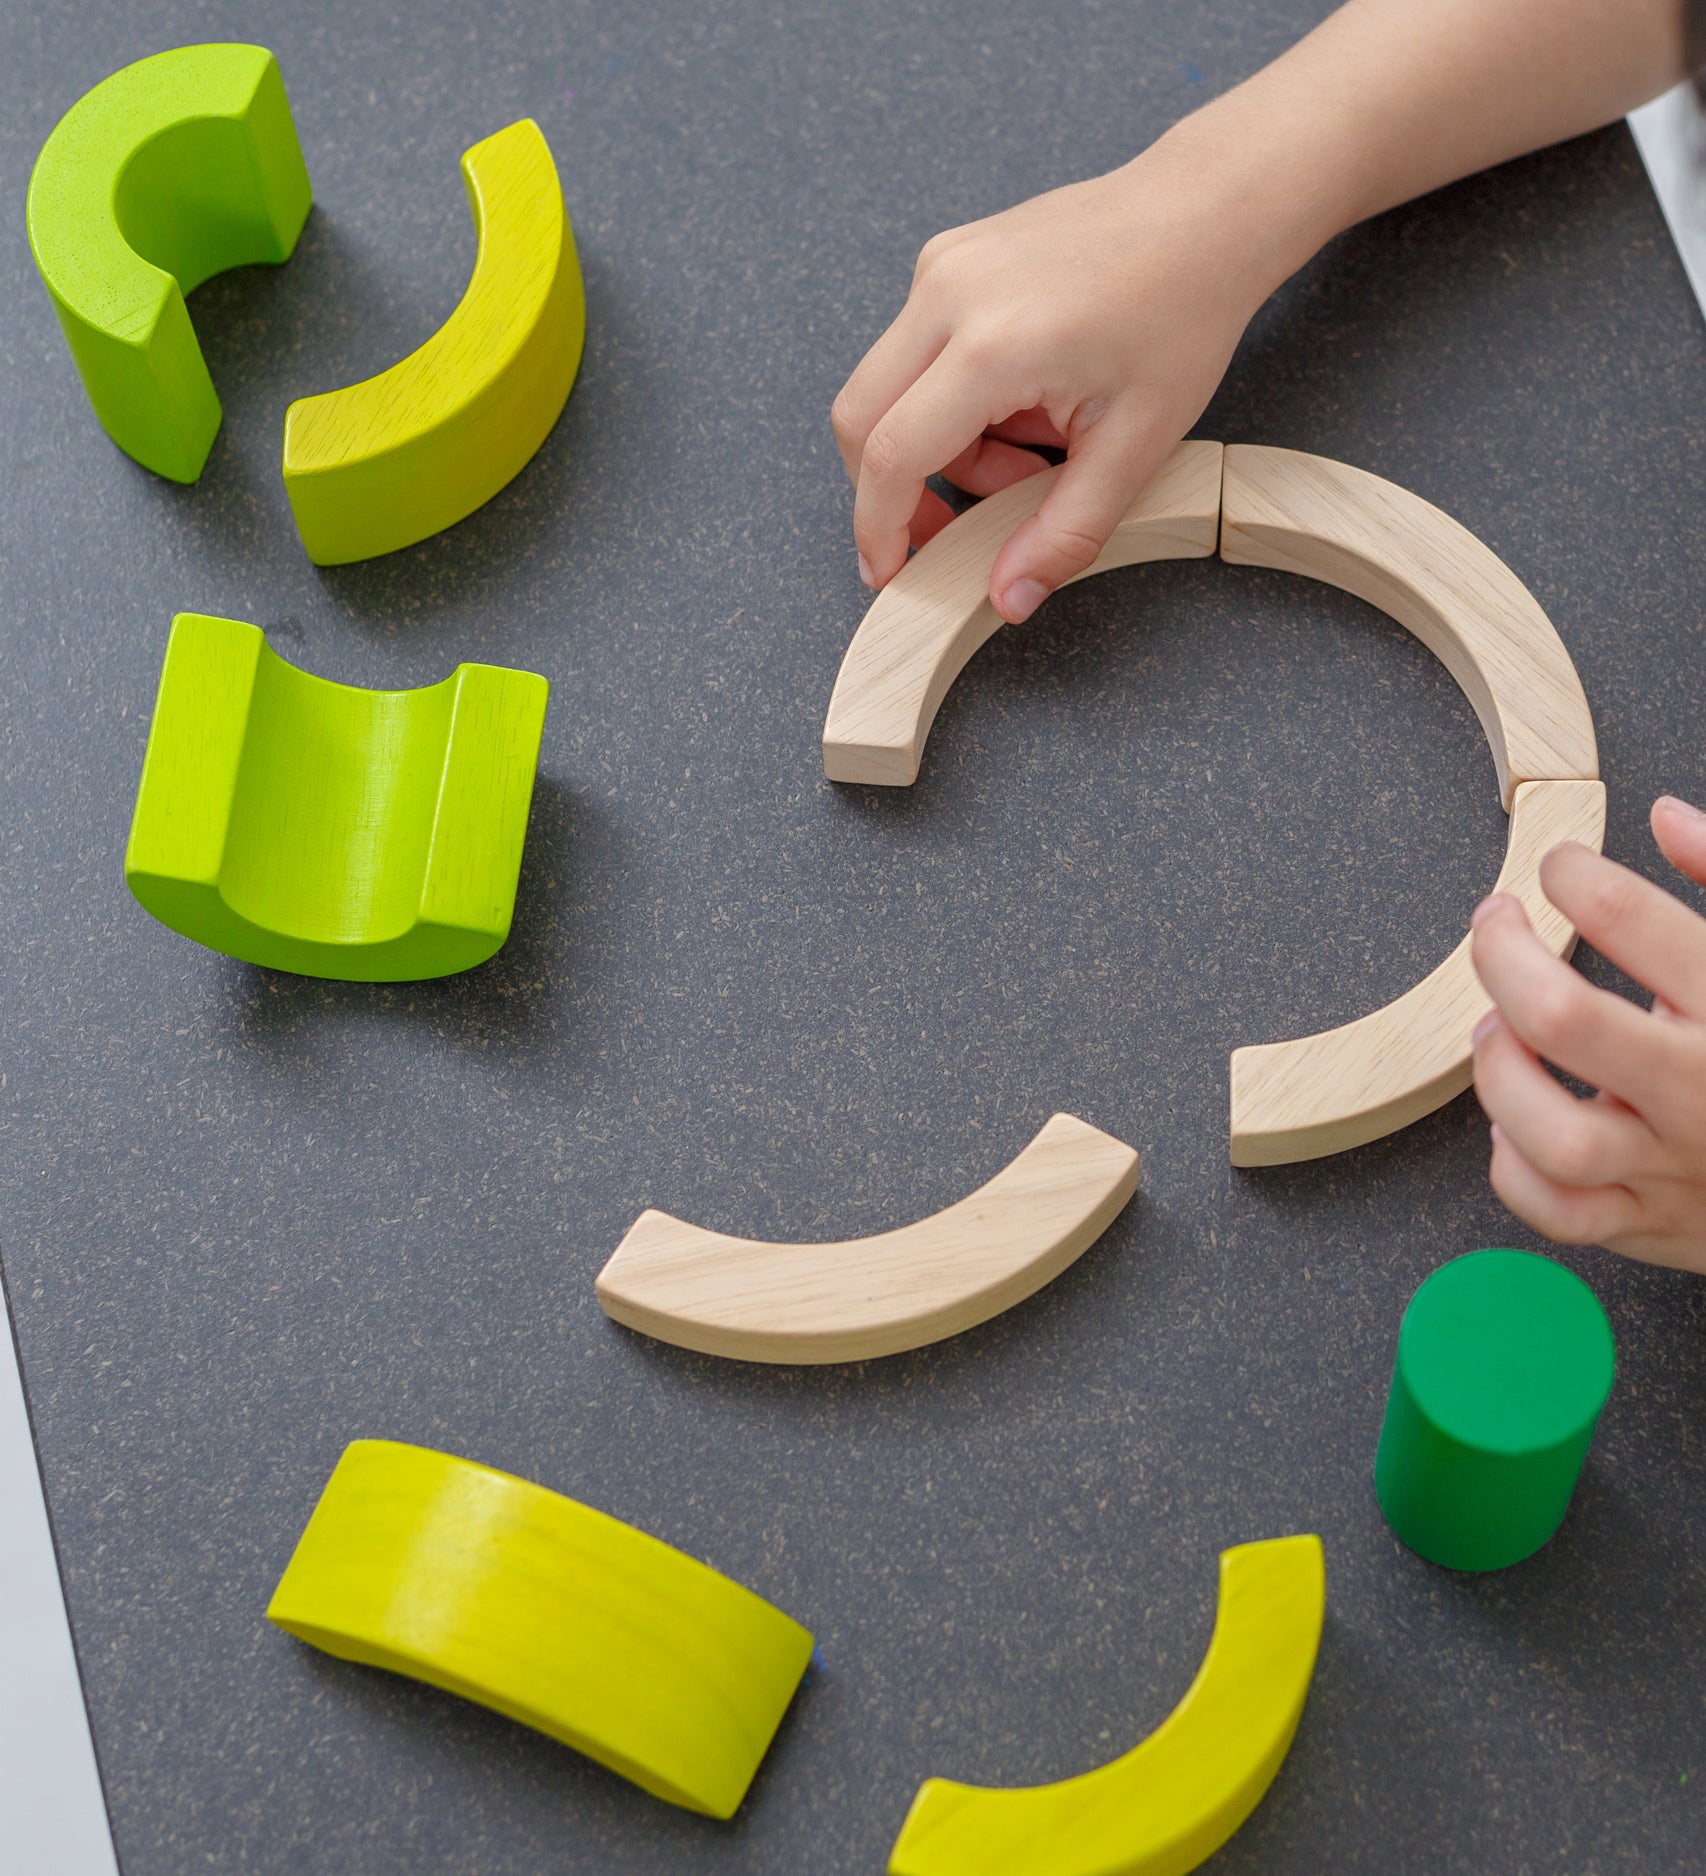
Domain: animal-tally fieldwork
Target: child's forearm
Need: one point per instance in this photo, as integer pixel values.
(1388, 99)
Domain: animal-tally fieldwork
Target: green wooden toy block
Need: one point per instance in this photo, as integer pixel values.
(170, 171)
(548, 1611)
(1505, 1360)
(315, 827)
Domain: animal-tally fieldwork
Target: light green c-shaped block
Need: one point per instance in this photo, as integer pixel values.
(643, 1658)
(373, 836)
(170, 171)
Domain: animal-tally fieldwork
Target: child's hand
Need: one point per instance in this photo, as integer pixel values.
(1098, 318)
(1627, 1168)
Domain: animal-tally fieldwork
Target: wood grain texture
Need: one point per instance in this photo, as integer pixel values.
(755, 1301)
(1304, 514)
(1326, 1093)
(924, 626)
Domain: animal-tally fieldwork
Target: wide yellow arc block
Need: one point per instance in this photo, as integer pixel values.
(387, 462)
(1172, 1801)
(547, 1611)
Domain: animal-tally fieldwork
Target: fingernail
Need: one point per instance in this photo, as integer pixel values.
(1485, 1028)
(1681, 807)
(865, 571)
(1485, 910)
(1021, 599)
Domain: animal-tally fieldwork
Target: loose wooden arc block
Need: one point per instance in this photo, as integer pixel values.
(851, 1301)
(374, 836)
(1305, 514)
(170, 171)
(548, 1611)
(1173, 1800)
(387, 462)
(924, 626)
(1344, 1087)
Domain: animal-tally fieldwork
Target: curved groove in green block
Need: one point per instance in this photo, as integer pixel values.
(550, 1612)
(172, 170)
(315, 827)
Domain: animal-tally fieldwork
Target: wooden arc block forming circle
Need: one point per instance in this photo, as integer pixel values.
(1174, 1799)
(172, 170)
(374, 836)
(387, 462)
(755, 1301)
(924, 626)
(1280, 508)
(550, 1612)
(1326, 1093)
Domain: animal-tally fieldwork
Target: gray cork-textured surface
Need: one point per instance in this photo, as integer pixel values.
(247, 1217)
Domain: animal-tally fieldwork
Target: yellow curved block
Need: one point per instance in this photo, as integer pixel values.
(1172, 1801)
(547, 1611)
(380, 464)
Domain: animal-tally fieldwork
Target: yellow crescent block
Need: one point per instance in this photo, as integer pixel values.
(387, 462)
(549, 1612)
(1172, 1801)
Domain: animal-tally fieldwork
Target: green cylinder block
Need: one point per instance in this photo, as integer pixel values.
(1504, 1362)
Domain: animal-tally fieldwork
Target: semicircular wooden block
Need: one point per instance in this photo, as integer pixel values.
(547, 1611)
(1172, 1801)
(851, 1301)
(924, 626)
(172, 170)
(1280, 508)
(389, 461)
(368, 835)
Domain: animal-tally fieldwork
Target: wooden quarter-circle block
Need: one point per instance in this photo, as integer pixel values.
(924, 626)
(1305, 514)
(389, 461)
(315, 827)
(1344, 1087)
(550, 1612)
(873, 1296)
(170, 171)
(1174, 1799)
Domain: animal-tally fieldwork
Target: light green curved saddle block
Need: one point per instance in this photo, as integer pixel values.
(314, 827)
(170, 171)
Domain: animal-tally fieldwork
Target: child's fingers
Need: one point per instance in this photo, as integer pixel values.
(931, 423)
(990, 464)
(1574, 1142)
(1034, 426)
(1587, 1032)
(896, 362)
(1108, 467)
(1567, 1214)
(1680, 831)
(1638, 925)
(929, 518)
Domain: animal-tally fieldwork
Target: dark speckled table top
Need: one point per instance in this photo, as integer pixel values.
(248, 1217)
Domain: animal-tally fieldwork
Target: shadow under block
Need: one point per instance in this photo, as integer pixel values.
(389, 461)
(924, 626)
(851, 1301)
(1173, 1800)
(1280, 508)
(170, 171)
(1326, 1093)
(1505, 1361)
(549, 1612)
(374, 836)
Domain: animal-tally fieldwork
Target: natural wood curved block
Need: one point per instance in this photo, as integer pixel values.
(319, 828)
(170, 171)
(1172, 1801)
(548, 1611)
(1326, 1093)
(924, 626)
(875, 1296)
(396, 458)
(1305, 514)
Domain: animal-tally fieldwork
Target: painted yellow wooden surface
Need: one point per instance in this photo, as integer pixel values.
(389, 461)
(548, 1611)
(1172, 1801)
